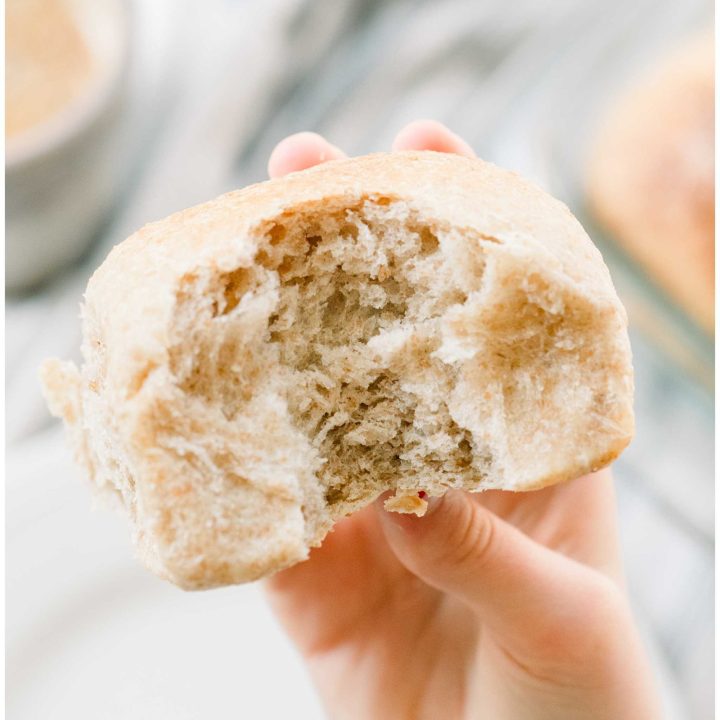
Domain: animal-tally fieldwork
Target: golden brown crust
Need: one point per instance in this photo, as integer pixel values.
(579, 470)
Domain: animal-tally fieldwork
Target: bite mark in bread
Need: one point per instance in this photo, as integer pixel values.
(285, 354)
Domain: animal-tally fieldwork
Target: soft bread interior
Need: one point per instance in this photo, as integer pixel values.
(363, 349)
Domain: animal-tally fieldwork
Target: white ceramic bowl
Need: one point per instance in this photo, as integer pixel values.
(61, 175)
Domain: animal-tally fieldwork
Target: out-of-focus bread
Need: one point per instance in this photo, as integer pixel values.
(651, 177)
(47, 63)
(261, 365)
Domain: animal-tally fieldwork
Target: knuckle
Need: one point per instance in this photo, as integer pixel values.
(469, 538)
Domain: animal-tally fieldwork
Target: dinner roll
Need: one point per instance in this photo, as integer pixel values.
(259, 366)
(651, 177)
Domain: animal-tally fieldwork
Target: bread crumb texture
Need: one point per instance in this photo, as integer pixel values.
(286, 354)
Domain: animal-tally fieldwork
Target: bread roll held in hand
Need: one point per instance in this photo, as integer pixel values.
(261, 365)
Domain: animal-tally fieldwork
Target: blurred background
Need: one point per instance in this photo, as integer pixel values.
(119, 112)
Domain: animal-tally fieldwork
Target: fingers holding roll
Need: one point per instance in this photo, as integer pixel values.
(523, 591)
(299, 152)
(431, 135)
(307, 149)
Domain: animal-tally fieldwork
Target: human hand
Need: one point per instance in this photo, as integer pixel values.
(496, 605)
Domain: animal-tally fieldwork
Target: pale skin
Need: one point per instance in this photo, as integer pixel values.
(495, 606)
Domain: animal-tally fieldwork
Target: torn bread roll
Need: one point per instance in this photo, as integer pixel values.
(261, 365)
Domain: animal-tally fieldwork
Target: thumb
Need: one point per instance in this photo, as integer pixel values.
(517, 586)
